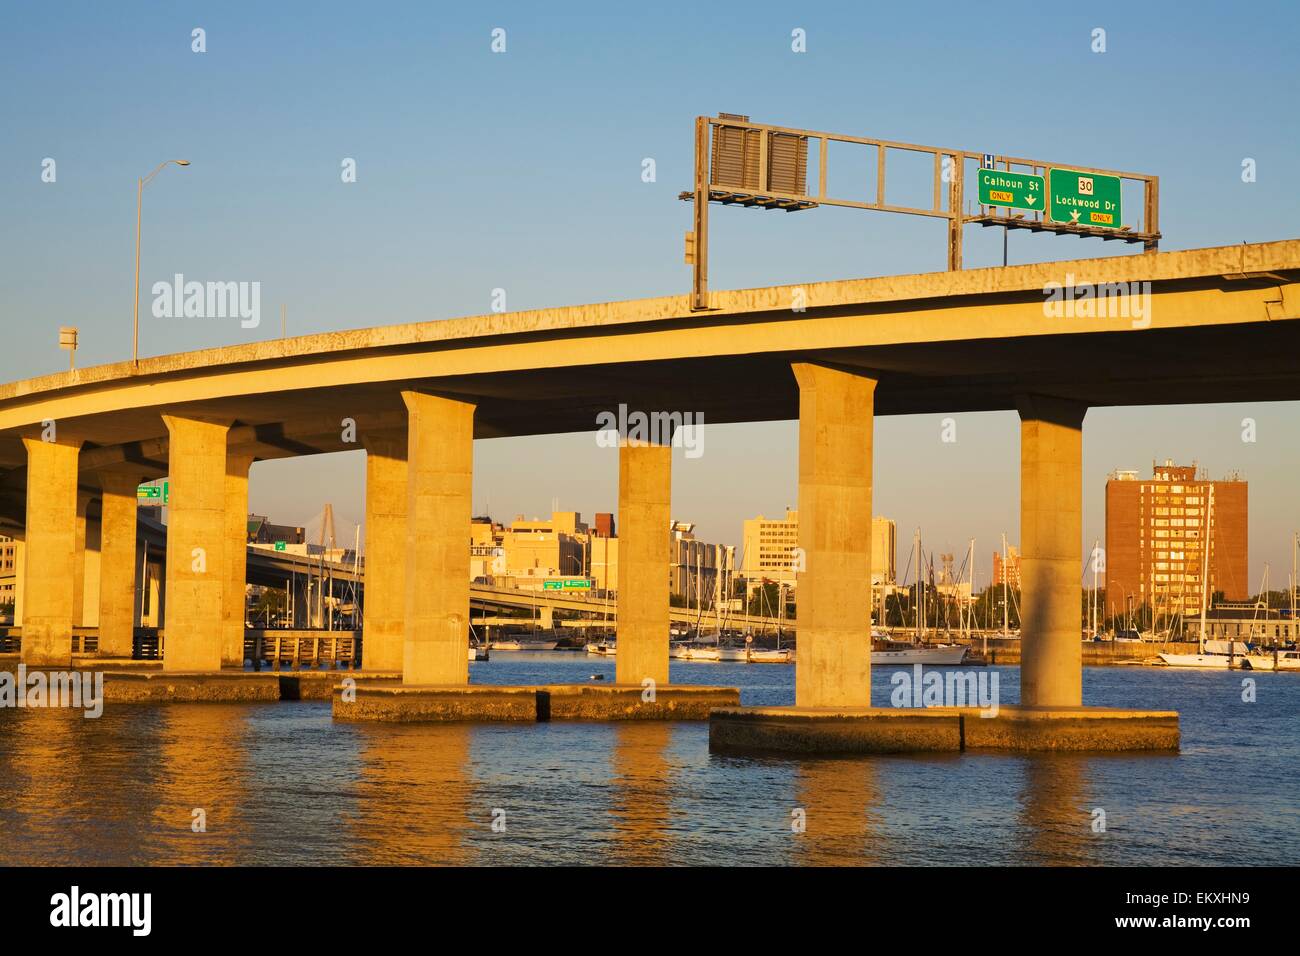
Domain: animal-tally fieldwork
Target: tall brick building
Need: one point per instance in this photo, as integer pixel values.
(1009, 572)
(1155, 528)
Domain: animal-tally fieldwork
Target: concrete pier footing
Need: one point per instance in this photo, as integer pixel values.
(886, 730)
(396, 702)
(382, 696)
(161, 686)
(145, 682)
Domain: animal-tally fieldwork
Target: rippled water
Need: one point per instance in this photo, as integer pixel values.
(284, 784)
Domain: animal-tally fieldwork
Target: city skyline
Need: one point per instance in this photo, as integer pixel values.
(909, 499)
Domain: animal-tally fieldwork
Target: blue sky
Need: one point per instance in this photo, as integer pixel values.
(522, 171)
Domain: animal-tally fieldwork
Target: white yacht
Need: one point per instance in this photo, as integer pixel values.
(524, 645)
(934, 654)
(1212, 655)
(1262, 660)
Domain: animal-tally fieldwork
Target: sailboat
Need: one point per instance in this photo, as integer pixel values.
(779, 654)
(1276, 658)
(885, 651)
(535, 643)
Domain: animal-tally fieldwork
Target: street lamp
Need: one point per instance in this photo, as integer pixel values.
(139, 198)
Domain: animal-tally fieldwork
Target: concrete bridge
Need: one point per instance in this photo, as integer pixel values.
(1221, 325)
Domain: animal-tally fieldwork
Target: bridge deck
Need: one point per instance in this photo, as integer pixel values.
(1221, 325)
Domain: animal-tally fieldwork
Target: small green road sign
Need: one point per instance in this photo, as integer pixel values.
(280, 546)
(153, 494)
(1000, 187)
(1084, 199)
(577, 584)
(552, 585)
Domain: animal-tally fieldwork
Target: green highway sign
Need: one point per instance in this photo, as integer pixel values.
(153, 494)
(999, 187)
(279, 546)
(552, 585)
(568, 584)
(1084, 199)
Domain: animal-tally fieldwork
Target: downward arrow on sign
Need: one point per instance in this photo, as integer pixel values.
(1031, 199)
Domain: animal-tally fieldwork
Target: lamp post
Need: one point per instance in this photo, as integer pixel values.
(139, 201)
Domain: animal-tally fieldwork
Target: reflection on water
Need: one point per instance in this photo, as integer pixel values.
(284, 784)
(200, 798)
(415, 799)
(837, 801)
(641, 800)
(1055, 815)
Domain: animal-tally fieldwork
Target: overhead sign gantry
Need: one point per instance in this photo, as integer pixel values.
(741, 163)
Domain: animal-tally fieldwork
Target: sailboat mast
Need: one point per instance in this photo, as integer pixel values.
(916, 596)
(970, 598)
(699, 611)
(1006, 630)
(1096, 543)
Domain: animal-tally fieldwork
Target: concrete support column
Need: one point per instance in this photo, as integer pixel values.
(1051, 537)
(833, 572)
(157, 593)
(50, 561)
(117, 565)
(440, 472)
(84, 498)
(196, 544)
(644, 558)
(383, 632)
(236, 559)
(20, 577)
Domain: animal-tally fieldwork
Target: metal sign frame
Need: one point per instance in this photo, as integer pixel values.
(948, 194)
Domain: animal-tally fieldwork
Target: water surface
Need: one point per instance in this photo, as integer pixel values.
(284, 784)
